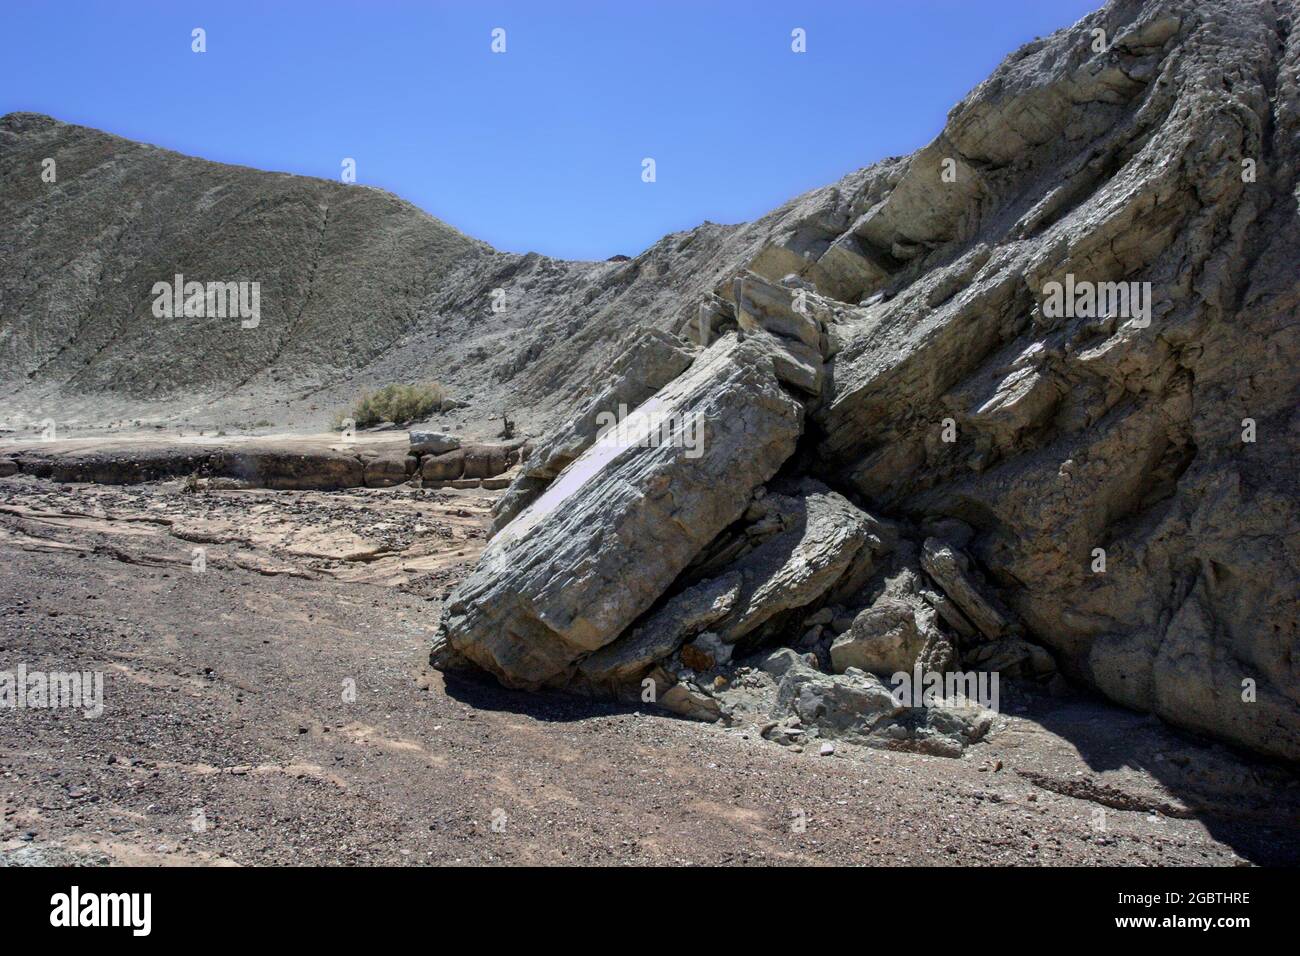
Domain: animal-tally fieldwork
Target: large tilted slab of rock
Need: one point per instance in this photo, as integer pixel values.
(609, 536)
(651, 360)
(820, 533)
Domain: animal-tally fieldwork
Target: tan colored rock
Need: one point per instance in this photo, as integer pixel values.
(485, 461)
(443, 467)
(688, 702)
(386, 471)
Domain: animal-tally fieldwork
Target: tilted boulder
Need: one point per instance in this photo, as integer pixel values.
(806, 539)
(607, 538)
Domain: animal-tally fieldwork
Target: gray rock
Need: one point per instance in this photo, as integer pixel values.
(605, 540)
(433, 443)
(796, 364)
(765, 306)
(687, 613)
(838, 705)
(950, 614)
(650, 360)
(796, 567)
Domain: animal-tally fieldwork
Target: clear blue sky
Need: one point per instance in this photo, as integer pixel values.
(539, 148)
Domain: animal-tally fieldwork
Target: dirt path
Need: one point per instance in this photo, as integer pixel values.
(278, 710)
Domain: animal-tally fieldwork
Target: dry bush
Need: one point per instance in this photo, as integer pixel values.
(399, 404)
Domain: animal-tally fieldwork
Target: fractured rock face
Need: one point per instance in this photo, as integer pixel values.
(1100, 453)
(605, 539)
(1102, 481)
(687, 613)
(793, 568)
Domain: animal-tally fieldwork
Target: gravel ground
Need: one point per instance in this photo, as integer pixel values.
(280, 712)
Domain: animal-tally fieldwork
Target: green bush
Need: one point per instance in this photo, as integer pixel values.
(398, 404)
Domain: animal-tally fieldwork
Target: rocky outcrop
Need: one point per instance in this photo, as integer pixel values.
(1054, 352)
(1097, 449)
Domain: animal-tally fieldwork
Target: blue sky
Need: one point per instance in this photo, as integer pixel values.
(539, 148)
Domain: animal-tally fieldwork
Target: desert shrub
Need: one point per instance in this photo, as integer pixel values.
(398, 404)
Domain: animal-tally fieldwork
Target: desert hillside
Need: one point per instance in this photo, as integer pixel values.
(358, 289)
